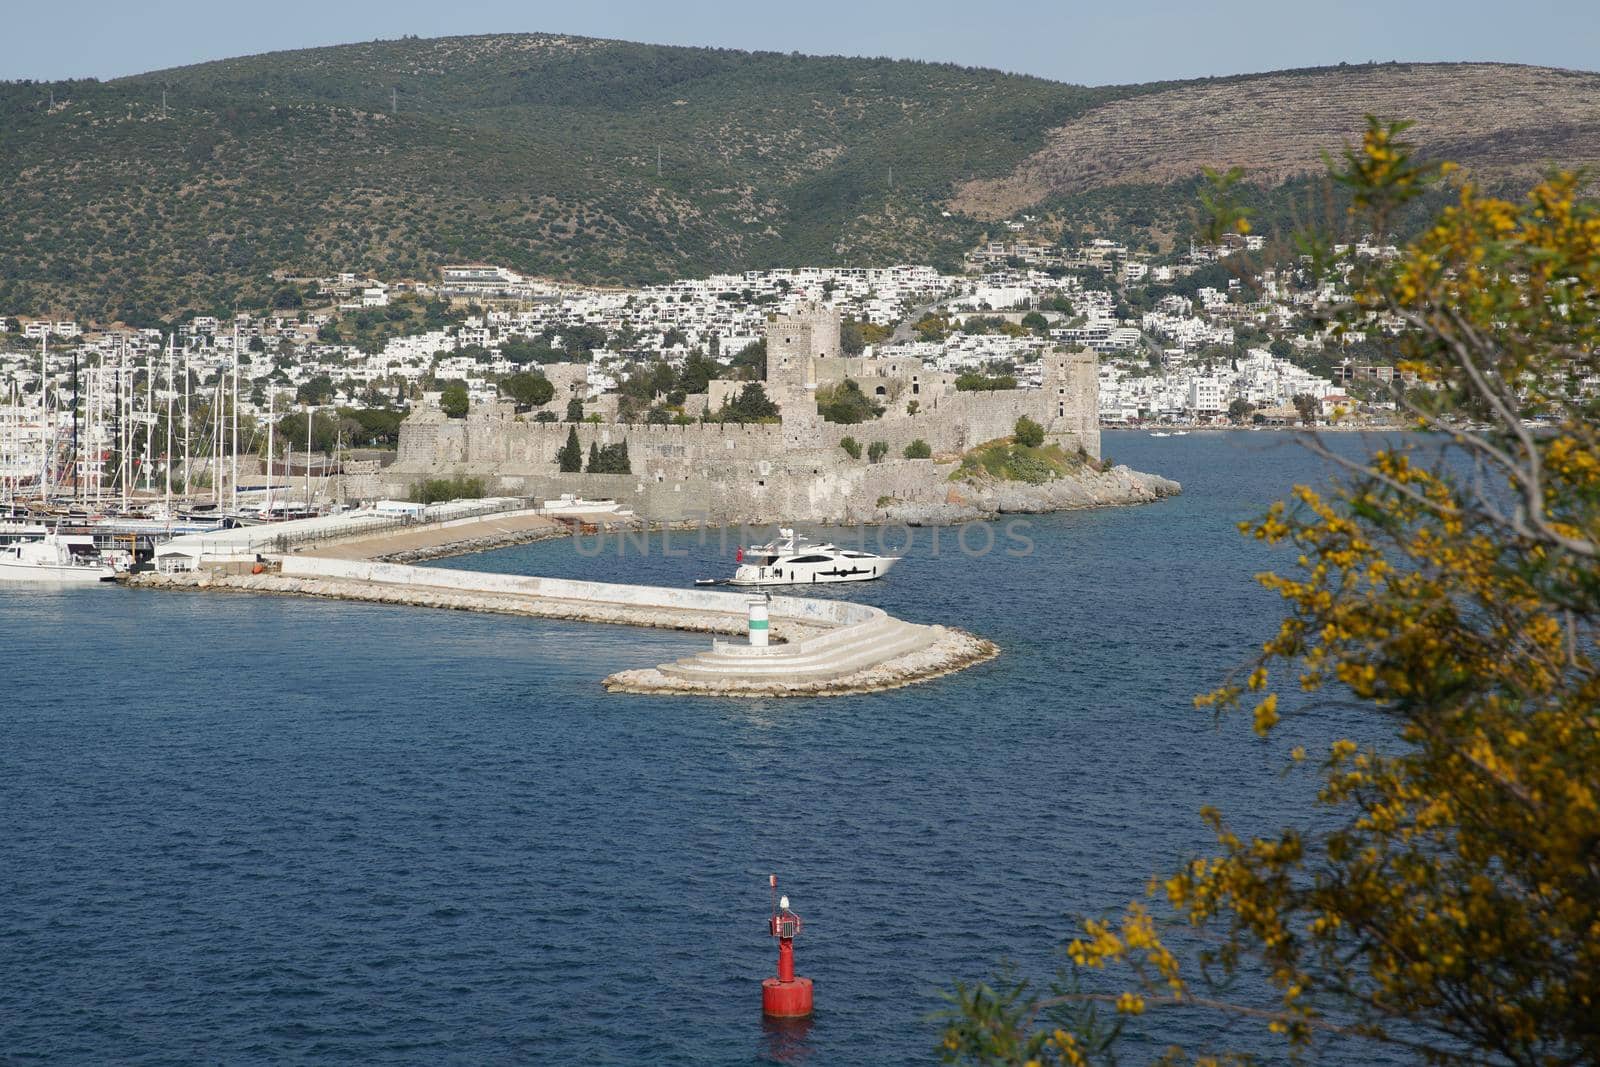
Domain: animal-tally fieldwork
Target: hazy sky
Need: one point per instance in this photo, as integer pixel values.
(1089, 41)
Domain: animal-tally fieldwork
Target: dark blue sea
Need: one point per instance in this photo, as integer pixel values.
(241, 829)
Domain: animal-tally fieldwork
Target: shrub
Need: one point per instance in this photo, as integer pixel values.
(846, 403)
(877, 450)
(457, 488)
(918, 449)
(852, 447)
(1028, 434)
(973, 382)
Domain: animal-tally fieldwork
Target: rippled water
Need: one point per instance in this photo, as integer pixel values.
(251, 829)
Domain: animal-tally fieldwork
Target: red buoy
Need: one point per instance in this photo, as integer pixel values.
(785, 997)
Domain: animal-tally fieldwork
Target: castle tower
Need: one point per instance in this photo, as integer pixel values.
(794, 343)
(1071, 397)
(794, 340)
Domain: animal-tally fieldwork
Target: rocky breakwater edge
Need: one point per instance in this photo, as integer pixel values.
(870, 653)
(982, 496)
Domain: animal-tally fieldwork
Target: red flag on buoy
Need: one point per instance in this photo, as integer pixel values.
(738, 557)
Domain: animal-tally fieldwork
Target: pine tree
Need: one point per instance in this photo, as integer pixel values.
(594, 459)
(570, 458)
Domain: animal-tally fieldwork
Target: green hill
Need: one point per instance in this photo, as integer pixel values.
(541, 152)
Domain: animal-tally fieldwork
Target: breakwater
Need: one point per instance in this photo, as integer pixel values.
(827, 647)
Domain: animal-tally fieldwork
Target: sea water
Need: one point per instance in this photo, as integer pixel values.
(249, 829)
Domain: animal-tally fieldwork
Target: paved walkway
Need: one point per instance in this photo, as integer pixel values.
(507, 528)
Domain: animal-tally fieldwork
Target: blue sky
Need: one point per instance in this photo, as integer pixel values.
(1096, 43)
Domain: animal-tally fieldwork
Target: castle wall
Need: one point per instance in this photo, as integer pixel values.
(790, 470)
(818, 493)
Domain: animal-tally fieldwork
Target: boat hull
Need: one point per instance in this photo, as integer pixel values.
(54, 574)
(835, 571)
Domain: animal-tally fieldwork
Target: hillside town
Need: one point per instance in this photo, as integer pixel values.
(1189, 341)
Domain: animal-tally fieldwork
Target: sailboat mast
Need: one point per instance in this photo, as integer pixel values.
(167, 459)
(76, 470)
(125, 418)
(187, 430)
(236, 415)
(311, 415)
(149, 417)
(216, 441)
(272, 408)
(44, 436)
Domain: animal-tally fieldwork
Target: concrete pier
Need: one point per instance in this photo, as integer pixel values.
(825, 647)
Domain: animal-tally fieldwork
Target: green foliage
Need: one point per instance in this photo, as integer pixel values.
(458, 488)
(291, 432)
(1441, 613)
(1027, 433)
(751, 405)
(508, 149)
(851, 446)
(317, 390)
(877, 450)
(1036, 322)
(527, 390)
(1224, 211)
(933, 327)
(1308, 406)
(696, 375)
(918, 449)
(751, 360)
(612, 459)
(522, 351)
(846, 403)
(454, 401)
(852, 339)
(975, 382)
(1007, 460)
(579, 341)
(574, 410)
(374, 427)
(570, 458)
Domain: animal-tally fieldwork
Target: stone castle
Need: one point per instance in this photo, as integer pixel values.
(791, 470)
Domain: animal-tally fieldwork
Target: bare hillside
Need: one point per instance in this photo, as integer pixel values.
(1493, 118)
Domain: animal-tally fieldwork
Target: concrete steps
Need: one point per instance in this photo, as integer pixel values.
(837, 653)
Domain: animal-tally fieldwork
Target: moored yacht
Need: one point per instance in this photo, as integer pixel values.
(796, 560)
(54, 558)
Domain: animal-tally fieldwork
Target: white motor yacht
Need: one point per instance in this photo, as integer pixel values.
(797, 560)
(54, 558)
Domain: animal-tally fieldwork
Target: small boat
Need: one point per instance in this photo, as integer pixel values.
(797, 560)
(1180, 433)
(54, 558)
(1160, 433)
